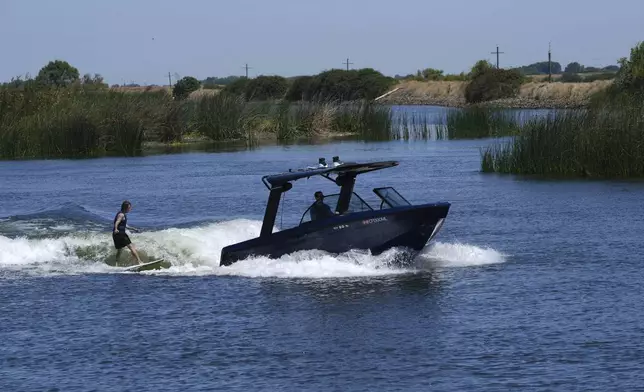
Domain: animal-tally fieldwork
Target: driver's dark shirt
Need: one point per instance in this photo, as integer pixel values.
(320, 211)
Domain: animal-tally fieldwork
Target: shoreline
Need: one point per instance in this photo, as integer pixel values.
(532, 95)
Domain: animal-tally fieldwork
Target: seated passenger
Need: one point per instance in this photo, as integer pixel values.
(320, 210)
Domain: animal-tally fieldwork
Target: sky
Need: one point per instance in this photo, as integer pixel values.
(141, 41)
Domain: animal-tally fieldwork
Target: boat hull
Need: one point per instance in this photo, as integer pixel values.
(409, 227)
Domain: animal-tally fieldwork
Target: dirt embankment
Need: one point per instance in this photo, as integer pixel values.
(532, 95)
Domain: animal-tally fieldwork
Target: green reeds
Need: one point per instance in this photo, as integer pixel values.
(72, 122)
(479, 122)
(367, 120)
(604, 141)
(221, 117)
(75, 123)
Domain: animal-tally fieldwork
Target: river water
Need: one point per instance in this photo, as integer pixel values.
(532, 284)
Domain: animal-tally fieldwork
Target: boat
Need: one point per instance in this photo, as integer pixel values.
(353, 225)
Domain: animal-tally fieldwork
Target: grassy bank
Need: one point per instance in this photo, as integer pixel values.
(603, 141)
(72, 122)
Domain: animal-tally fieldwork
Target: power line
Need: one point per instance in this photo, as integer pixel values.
(347, 63)
(497, 55)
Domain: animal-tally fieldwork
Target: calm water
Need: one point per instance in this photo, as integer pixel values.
(531, 284)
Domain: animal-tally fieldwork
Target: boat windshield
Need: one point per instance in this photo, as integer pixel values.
(390, 198)
(356, 205)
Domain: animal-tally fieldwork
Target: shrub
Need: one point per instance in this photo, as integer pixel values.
(340, 85)
(237, 87)
(568, 77)
(490, 83)
(265, 88)
(630, 77)
(185, 86)
(57, 73)
(300, 89)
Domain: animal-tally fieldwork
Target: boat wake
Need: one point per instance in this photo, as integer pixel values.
(196, 251)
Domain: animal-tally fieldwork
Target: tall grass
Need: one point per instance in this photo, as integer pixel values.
(466, 123)
(67, 123)
(219, 117)
(74, 122)
(606, 140)
(480, 122)
(364, 119)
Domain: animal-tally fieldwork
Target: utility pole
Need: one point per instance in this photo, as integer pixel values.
(497, 53)
(549, 63)
(169, 79)
(247, 68)
(347, 63)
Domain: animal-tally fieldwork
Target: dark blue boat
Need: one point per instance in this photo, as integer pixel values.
(354, 224)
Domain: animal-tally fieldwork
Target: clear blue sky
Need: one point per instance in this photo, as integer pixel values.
(142, 40)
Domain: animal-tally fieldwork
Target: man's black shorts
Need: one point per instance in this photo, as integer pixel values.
(121, 240)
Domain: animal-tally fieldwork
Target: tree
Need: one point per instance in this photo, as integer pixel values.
(185, 86)
(630, 76)
(574, 67)
(265, 87)
(540, 68)
(238, 87)
(57, 73)
(300, 88)
(95, 82)
(480, 68)
(212, 82)
(432, 74)
(491, 84)
(340, 85)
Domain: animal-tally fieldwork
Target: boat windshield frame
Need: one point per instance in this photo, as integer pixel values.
(390, 202)
(337, 195)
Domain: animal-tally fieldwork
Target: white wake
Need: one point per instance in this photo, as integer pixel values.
(196, 251)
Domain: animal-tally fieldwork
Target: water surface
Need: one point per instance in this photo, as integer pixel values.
(531, 284)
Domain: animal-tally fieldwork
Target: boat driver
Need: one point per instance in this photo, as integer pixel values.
(320, 210)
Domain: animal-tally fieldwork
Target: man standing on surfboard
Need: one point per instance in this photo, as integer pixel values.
(120, 237)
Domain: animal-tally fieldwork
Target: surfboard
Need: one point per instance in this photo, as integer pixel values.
(151, 265)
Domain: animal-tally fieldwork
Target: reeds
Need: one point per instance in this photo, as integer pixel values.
(466, 123)
(73, 122)
(364, 119)
(70, 123)
(480, 122)
(605, 141)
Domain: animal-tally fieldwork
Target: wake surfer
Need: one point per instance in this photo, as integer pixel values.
(120, 237)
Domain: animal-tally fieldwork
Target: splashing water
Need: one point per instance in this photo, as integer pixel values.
(196, 251)
(440, 254)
